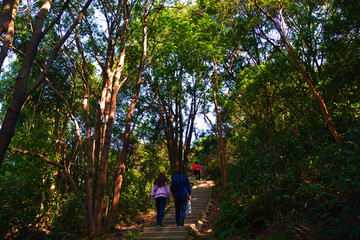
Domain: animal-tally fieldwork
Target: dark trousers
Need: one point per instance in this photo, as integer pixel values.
(180, 209)
(197, 174)
(160, 209)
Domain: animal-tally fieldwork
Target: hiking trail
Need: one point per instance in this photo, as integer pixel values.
(200, 201)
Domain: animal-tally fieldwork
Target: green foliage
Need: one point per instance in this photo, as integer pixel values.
(193, 234)
(144, 165)
(69, 216)
(130, 235)
(303, 189)
(287, 179)
(26, 199)
(205, 152)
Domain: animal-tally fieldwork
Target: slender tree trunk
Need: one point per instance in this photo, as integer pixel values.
(21, 92)
(89, 170)
(306, 78)
(222, 150)
(96, 175)
(12, 114)
(118, 176)
(56, 164)
(188, 137)
(10, 25)
(6, 14)
(171, 143)
(102, 170)
(217, 129)
(179, 132)
(190, 129)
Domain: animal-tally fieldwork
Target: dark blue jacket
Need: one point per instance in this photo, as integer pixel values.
(180, 186)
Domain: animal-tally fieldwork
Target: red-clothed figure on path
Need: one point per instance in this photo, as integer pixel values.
(197, 170)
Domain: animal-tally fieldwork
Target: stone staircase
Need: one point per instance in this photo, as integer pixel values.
(200, 201)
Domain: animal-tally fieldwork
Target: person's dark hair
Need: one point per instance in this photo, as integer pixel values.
(161, 180)
(178, 172)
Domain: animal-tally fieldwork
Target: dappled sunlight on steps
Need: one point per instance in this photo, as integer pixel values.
(200, 201)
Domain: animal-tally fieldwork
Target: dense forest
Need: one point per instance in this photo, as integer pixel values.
(99, 96)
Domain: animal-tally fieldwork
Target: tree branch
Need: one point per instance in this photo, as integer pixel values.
(56, 164)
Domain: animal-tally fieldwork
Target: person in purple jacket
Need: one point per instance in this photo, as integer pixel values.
(160, 193)
(180, 188)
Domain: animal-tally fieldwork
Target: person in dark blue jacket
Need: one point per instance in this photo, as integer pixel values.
(180, 188)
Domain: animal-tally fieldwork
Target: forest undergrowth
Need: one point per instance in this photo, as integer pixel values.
(301, 191)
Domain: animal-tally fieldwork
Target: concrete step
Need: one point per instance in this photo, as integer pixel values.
(194, 211)
(197, 213)
(188, 221)
(198, 202)
(200, 193)
(194, 207)
(194, 202)
(200, 196)
(202, 200)
(166, 238)
(166, 229)
(164, 234)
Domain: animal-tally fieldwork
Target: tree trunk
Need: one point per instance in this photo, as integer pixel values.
(12, 114)
(171, 143)
(6, 14)
(56, 164)
(217, 129)
(190, 126)
(302, 71)
(21, 92)
(190, 129)
(179, 132)
(222, 150)
(118, 176)
(8, 23)
(89, 170)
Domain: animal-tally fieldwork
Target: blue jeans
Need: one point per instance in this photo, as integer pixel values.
(180, 209)
(160, 209)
